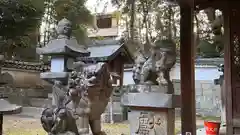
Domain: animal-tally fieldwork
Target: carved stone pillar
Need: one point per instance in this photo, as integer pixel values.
(152, 113)
(152, 100)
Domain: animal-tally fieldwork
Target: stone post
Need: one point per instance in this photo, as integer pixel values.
(152, 113)
(152, 101)
(6, 107)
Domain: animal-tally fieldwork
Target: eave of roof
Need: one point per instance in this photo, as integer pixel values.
(108, 51)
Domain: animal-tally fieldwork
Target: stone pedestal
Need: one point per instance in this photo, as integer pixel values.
(152, 113)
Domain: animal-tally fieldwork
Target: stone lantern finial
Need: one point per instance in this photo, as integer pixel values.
(64, 28)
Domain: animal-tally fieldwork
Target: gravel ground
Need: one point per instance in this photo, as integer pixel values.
(16, 125)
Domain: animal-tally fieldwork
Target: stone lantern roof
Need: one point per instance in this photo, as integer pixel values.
(63, 47)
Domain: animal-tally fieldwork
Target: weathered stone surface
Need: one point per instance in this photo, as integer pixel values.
(64, 44)
(26, 79)
(8, 108)
(151, 99)
(207, 100)
(206, 86)
(54, 75)
(117, 117)
(151, 123)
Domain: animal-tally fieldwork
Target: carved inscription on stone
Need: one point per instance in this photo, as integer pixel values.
(150, 123)
(143, 124)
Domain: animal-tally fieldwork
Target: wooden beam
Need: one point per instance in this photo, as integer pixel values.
(187, 57)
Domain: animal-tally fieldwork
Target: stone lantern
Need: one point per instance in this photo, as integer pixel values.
(6, 107)
(63, 51)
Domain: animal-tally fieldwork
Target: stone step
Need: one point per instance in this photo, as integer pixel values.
(40, 102)
(117, 117)
(33, 112)
(115, 99)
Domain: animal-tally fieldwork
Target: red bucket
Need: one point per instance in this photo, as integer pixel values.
(212, 127)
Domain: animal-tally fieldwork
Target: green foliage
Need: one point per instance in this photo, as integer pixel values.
(163, 19)
(19, 19)
(77, 13)
(207, 49)
(20, 16)
(165, 43)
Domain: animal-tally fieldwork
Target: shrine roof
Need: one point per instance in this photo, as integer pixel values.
(107, 50)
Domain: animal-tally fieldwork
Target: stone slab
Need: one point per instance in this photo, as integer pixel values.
(148, 99)
(8, 108)
(117, 117)
(40, 102)
(49, 76)
(32, 112)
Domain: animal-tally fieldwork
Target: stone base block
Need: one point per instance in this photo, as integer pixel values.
(144, 122)
(117, 117)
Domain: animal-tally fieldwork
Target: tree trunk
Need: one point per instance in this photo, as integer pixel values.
(132, 20)
(198, 30)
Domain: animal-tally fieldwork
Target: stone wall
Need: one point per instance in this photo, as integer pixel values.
(208, 97)
(207, 101)
(26, 78)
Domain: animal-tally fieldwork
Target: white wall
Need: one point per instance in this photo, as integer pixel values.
(202, 73)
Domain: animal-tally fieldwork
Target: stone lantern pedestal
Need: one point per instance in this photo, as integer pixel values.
(5, 106)
(152, 111)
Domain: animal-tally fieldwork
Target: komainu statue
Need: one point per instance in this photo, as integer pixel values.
(81, 103)
(155, 69)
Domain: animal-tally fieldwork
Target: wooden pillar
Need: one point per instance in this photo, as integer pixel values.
(231, 14)
(227, 69)
(187, 58)
(1, 123)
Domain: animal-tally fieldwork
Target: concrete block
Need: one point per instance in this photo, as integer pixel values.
(117, 117)
(198, 91)
(148, 99)
(206, 86)
(207, 92)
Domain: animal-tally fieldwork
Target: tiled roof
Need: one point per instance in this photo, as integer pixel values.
(105, 50)
(101, 53)
(26, 65)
